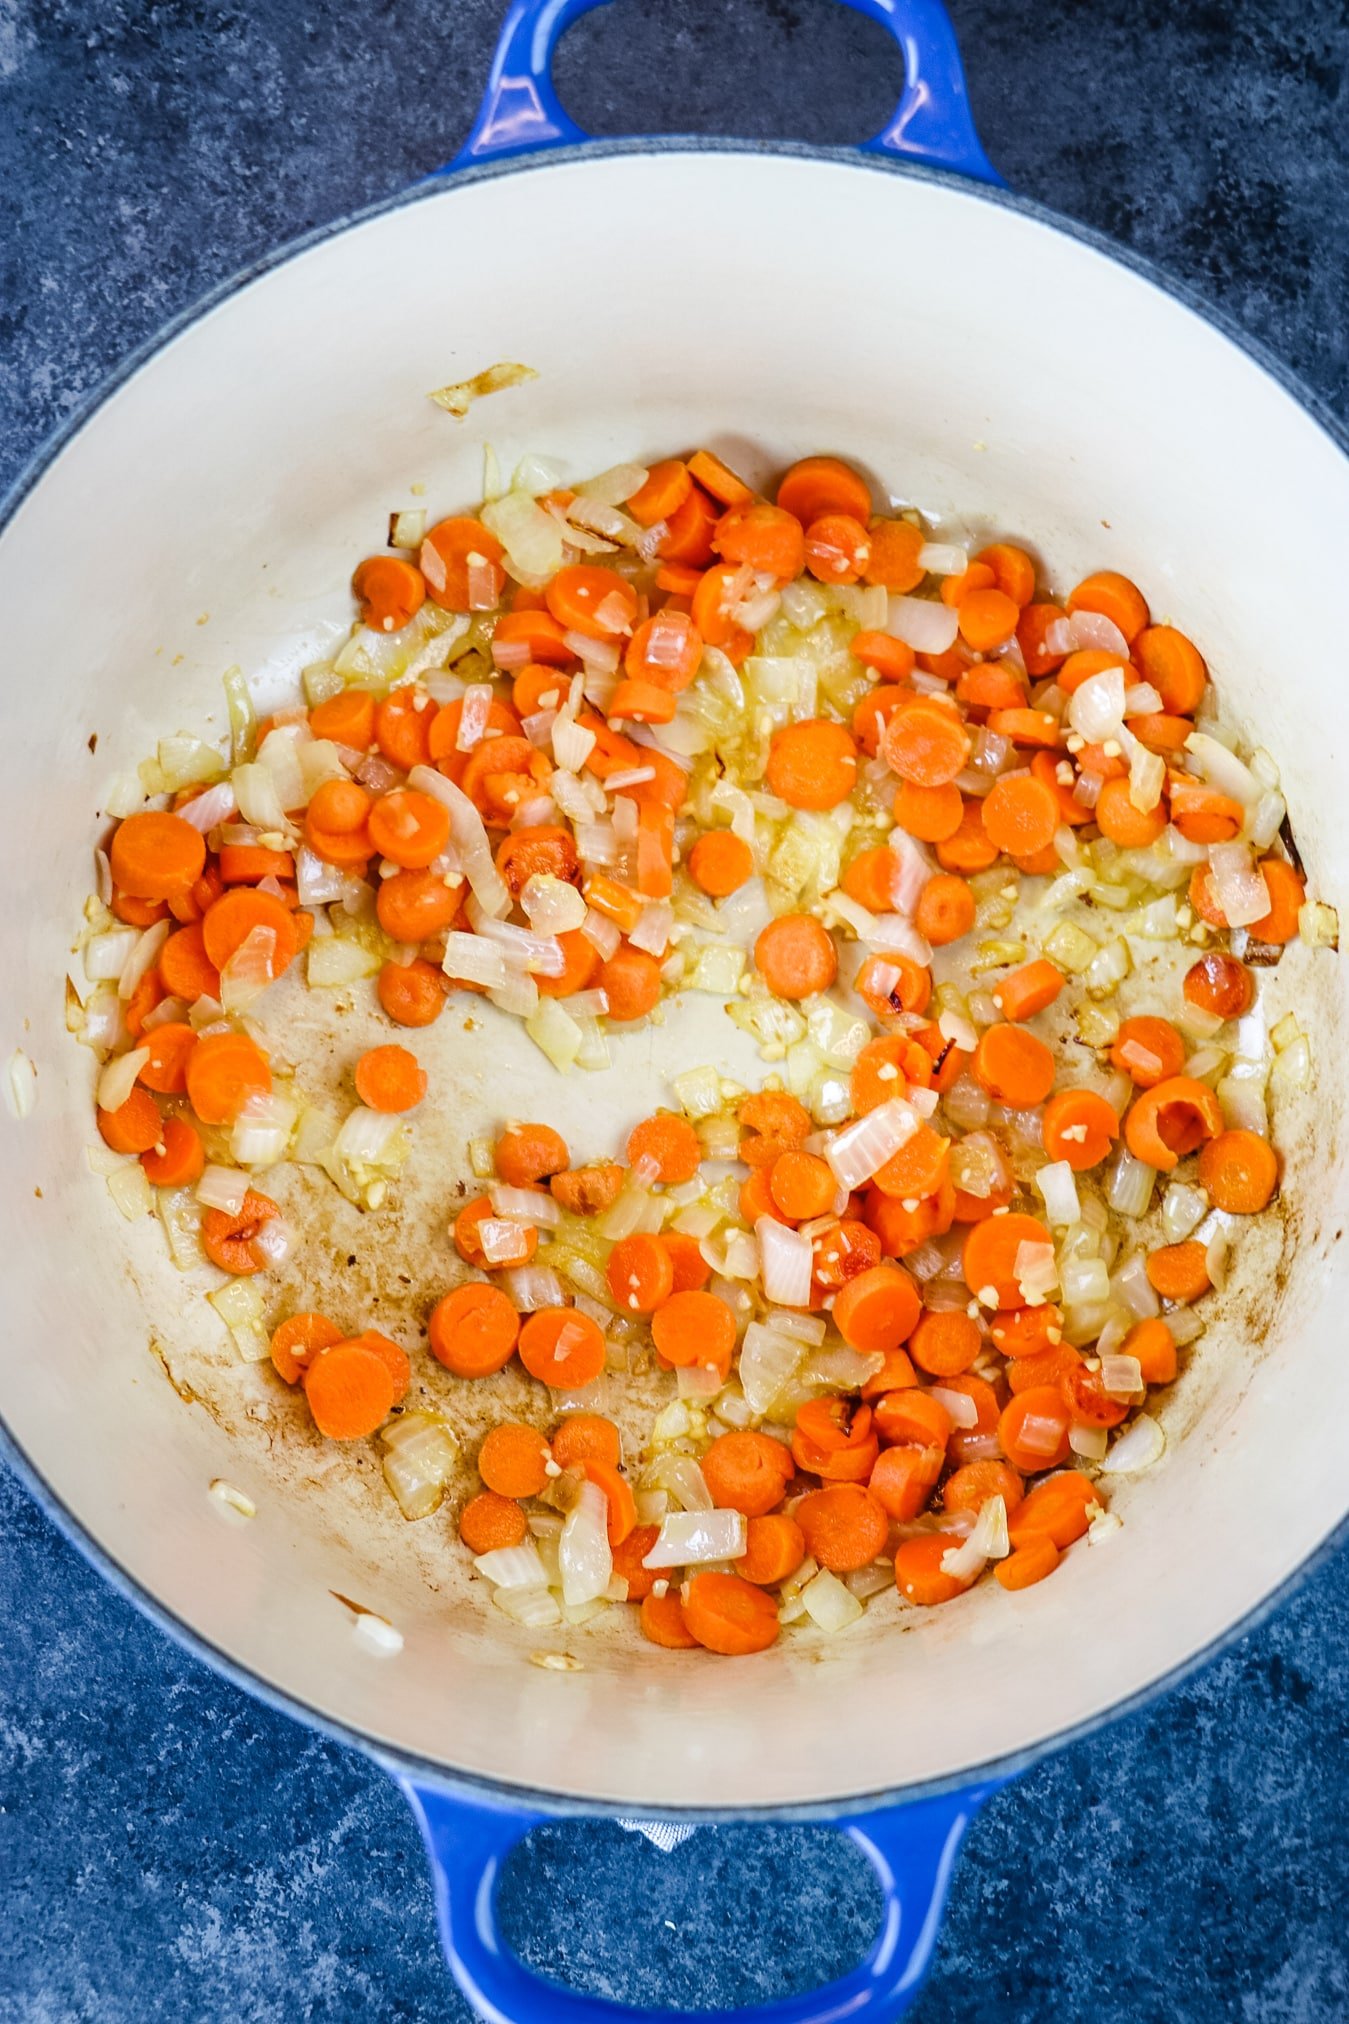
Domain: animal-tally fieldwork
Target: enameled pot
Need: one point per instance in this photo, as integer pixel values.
(892, 304)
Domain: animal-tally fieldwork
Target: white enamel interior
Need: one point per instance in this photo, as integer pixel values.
(210, 514)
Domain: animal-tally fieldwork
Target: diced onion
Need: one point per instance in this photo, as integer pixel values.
(694, 1538)
(943, 558)
(525, 1205)
(1096, 708)
(207, 811)
(1238, 884)
(1129, 1190)
(1121, 1376)
(1318, 925)
(1183, 1210)
(584, 1555)
(862, 1149)
(555, 1033)
(470, 837)
(552, 906)
(786, 1262)
(513, 1566)
(1141, 1444)
(1037, 1274)
(923, 623)
(331, 961)
(118, 1079)
(142, 957)
(367, 1137)
(830, 1605)
(1092, 629)
(1057, 1184)
(472, 959)
(131, 1191)
(962, 1408)
(222, 1188)
(768, 1361)
(249, 970)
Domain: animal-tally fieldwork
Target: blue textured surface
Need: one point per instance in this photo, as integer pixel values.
(169, 1849)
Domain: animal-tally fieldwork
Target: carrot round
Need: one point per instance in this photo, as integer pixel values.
(1240, 1171)
(1220, 984)
(1179, 1271)
(474, 1330)
(442, 734)
(877, 1309)
(1013, 1066)
(581, 591)
(171, 1047)
(1058, 1510)
(945, 1342)
(460, 556)
(544, 850)
(919, 1575)
(926, 742)
(802, 1186)
(390, 1079)
(1115, 597)
(932, 814)
(773, 1122)
(155, 855)
(718, 479)
(1174, 666)
(390, 591)
(1171, 1119)
(1020, 814)
(350, 1390)
(628, 1557)
(729, 1615)
(895, 1374)
(586, 1191)
(666, 650)
(586, 1437)
(490, 1521)
(691, 1269)
(695, 1328)
(987, 617)
(765, 538)
(348, 718)
(299, 1339)
(232, 918)
(1287, 889)
(229, 1237)
(945, 909)
(812, 764)
(1048, 1366)
(815, 486)
(903, 1479)
(662, 1621)
(1153, 1344)
(1024, 992)
(747, 1472)
(1034, 623)
(413, 994)
(971, 1486)
(528, 1153)
(838, 548)
(688, 537)
(640, 1273)
(888, 658)
(1027, 1565)
(409, 828)
(580, 963)
(989, 1257)
(774, 1548)
(795, 956)
(969, 848)
(720, 863)
(895, 548)
(892, 984)
(872, 712)
(887, 1067)
(1033, 1428)
(631, 978)
(512, 1461)
(134, 1127)
(918, 1169)
(562, 1348)
(1013, 570)
(1079, 1127)
(844, 1526)
(671, 1142)
(912, 1417)
(1149, 1050)
(662, 492)
(223, 1071)
(178, 1157)
(185, 969)
(975, 576)
(1025, 1331)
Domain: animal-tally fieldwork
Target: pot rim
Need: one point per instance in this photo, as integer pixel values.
(408, 1765)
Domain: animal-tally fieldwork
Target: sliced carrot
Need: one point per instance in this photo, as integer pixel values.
(812, 764)
(1059, 1510)
(885, 1068)
(413, 994)
(490, 1521)
(661, 493)
(1027, 1565)
(1148, 1049)
(631, 981)
(1024, 992)
(1240, 1171)
(873, 712)
(997, 688)
(414, 905)
(348, 718)
(926, 742)
(945, 1342)
(1201, 814)
(1085, 1395)
(299, 1339)
(729, 1615)
(747, 1472)
(945, 910)
(231, 919)
(888, 657)
(586, 1191)
(1174, 666)
(1033, 1429)
(513, 1461)
(155, 855)
(184, 967)
(990, 1254)
(851, 1463)
(1154, 1346)
(1179, 1271)
(844, 1526)
(838, 548)
(718, 479)
(762, 538)
(1020, 814)
(975, 576)
(390, 1079)
(1046, 1367)
(1171, 1119)
(622, 1505)
(815, 486)
(911, 1417)
(335, 824)
(177, 1158)
(562, 1348)
(228, 1237)
(756, 1199)
(1013, 571)
(688, 537)
(246, 863)
(409, 828)
(642, 703)
(501, 773)
(596, 602)
(640, 1273)
(933, 814)
(773, 1122)
(918, 1168)
(904, 1478)
(1220, 984)
(691, 1269)
(1014, 1066)
(969, 848)
(171, 1047)
(665, 650)
(795, 956)
(919, 1575)
(694, 1328)
(893, 984)
(138, 913)
(987, 618)
(895, 548)
(223, 1071)
(971, 1486)
(663, 1622)
(877, 1309)
(895, 1374)
(775, 1546)
(902, 1228)
(586, 1437)
(1026, 1331)
(134, 1127)
(720, 863)
(1034, 623)
(1115, 597)
(1079, 1127)
(1117, 817)
(350, 1390)
(537, 630)
(442, 734)
(526, 1154)
(1161, 733)
(390, 591)
(628, 1558)
(474, 1330)
(460, 562)
(1040, 728)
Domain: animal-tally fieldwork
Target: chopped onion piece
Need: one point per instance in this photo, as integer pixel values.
(1092, 629)
(943, 558)
(785, 1262)
(552, 906)
(572, 743)
(653, 929)
(1238, 884)
(472, 959)
(1088, 1442)
(249, 970)
(470, 837)
(768, 1361)
(604, 934)
(368, 1137)
(207, 811)
(695, 1538)
(1217, 764)
(525, 1205)
(331, 961)
(1121, 1376)
(1037, 1274)
(1096, 708)
(862, 1149)
(131, 1191)
(513, 1566)
(555, 1033)
(1141, 1444)
(830, 1605)
(222, 1188)
(143, 957)
(1057, 1184)
(1318, 925)
(923, 623)
(1183, 1210)
(963, 1410)
(1129, 1190)
(118, 1078)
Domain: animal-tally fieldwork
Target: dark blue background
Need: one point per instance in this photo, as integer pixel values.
(168, 1849)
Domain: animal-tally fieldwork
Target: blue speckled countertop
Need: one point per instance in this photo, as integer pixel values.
(168, 1848)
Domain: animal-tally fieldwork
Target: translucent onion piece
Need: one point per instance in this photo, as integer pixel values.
(943, 558)
(584, 1556)
(829, 1603)
(525, 1205)
(470, 837)
(1121, 1376)
(1220, 767)
(1092, 629)
(857, 1153)
(118, 1078)
(551, 905)
(476, 708)
(367, 1137)
(555, 1033)
(1057, 1184)
(1238, 884)
(768, 1361)
(695, 1538)
(143, 957)
(925, 624)
(963, 1410)
(222, 1188)
(249, 970)
(131, 1190)
(513, 1566)
(207, 811)
(1141, 1444)
(1096, 709)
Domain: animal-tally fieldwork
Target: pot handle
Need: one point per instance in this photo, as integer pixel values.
(911, 1848)
(521, 113)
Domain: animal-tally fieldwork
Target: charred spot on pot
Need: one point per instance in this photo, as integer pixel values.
(93, 741)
